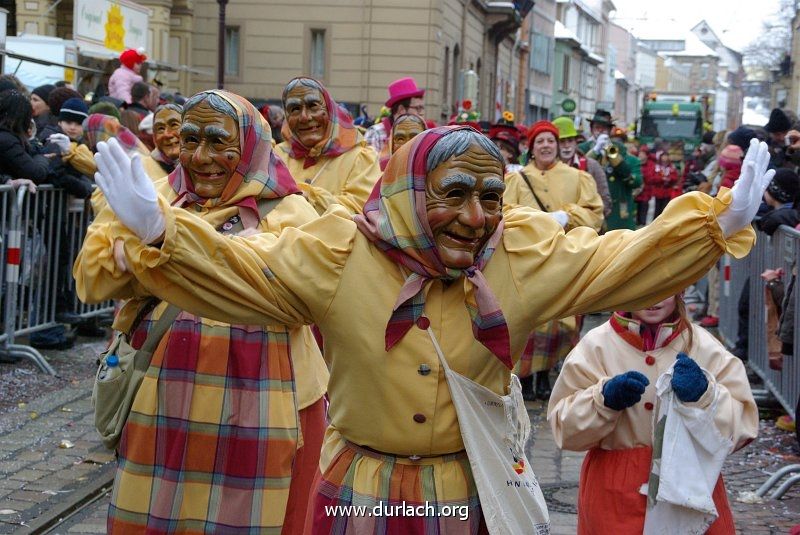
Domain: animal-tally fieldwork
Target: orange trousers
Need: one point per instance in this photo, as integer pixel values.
(306, 465)
(609, 500)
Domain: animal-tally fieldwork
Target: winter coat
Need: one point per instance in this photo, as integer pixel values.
(661, 182)
(785, 215)
(17, 162)
(121, 82)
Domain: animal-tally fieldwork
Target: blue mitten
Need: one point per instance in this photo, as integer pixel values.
(688, 381)
(624, 390)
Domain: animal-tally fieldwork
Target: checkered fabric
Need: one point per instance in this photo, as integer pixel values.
(547, 345)
(390, 486)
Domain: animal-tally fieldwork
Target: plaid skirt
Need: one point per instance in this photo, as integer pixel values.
(365, 492)
(547, 345)
(212, 434)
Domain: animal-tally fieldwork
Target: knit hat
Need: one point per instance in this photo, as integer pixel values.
(785, 185)
(741, 137)
(131, 57)
(708, 138)
(43, 91)
(778, 122)
(59, 96)
(566, 127)
(74, 109)
(541, 127)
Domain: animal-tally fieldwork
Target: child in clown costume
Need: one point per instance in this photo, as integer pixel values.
(603, 403)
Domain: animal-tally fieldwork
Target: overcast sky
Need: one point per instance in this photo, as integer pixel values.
(736, 22)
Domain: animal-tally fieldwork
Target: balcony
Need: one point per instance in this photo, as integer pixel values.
(504, 18)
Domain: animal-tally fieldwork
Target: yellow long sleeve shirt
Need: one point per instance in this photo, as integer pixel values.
(559, 188)
(327, 272)
(97, 279)
(581, 421)
(347, 179)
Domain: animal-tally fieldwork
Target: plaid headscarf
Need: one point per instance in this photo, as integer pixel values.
(395, 220)
(260, 174)
(99, 127)
(341, 136)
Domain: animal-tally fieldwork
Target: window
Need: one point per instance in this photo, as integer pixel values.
(541, 53)
(317, 57)
(232, 49)
(704, 71)
(565, 74)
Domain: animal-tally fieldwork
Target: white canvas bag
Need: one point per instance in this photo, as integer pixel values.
(494, 429)
(688, 452)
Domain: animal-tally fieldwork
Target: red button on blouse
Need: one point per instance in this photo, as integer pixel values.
(423, 322)
(650, 360)
(648, 406)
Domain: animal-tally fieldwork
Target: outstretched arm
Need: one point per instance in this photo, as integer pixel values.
(257, 280)
(562, 274)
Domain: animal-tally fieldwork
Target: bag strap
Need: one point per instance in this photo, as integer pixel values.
(156, 333)
(265, 206)
(530, 186)
(438, 349)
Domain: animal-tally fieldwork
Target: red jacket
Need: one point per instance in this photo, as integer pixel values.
(662, 181)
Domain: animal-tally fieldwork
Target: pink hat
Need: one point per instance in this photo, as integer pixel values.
(402, 89)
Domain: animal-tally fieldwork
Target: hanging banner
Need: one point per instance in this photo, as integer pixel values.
(107, 27)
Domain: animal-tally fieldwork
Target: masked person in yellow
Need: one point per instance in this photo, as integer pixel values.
(404, 128)
(433, 271)
(212, 442)
(571, 198)
(325, 153)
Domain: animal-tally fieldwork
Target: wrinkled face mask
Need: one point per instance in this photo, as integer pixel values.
(167, 133)
(464, 205)
(210, 150)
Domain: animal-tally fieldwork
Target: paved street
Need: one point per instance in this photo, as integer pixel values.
(38, 475)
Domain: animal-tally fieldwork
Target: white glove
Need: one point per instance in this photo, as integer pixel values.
(602, 141)
(61, 141)
(561, 217)
(129, 191)
(748, 190)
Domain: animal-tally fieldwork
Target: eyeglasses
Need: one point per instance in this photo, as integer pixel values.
(419, 108)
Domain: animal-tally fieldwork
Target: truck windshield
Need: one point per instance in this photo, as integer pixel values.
(670, 127)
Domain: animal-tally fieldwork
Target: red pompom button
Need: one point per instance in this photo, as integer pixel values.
(650, 360)
(648, 406)
(423, 322)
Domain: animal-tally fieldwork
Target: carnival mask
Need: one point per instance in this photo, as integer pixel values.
(307, 115)
(167, 132)
(464, 205)
(210, 150)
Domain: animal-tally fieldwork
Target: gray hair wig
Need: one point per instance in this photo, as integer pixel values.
(304, 82)
(216, 102)
(457, 143)
(169, 106)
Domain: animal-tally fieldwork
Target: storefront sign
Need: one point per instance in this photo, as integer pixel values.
(109, 26)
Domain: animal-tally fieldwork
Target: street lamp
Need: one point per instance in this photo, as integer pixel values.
(221, 45)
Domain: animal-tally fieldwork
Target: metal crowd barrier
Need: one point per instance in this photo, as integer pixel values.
(41, 235)
(781, 250)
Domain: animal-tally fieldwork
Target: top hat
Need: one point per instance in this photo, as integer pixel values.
(402, 89)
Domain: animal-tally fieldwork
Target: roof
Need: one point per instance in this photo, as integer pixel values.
(695, 47)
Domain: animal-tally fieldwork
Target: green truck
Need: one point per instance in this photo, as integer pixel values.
(673, 118)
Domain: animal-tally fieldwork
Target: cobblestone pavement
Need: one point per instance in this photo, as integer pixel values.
(37, 476)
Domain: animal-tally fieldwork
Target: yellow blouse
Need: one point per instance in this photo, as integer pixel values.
(97, 279)
(347, 179)
(327, 272)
